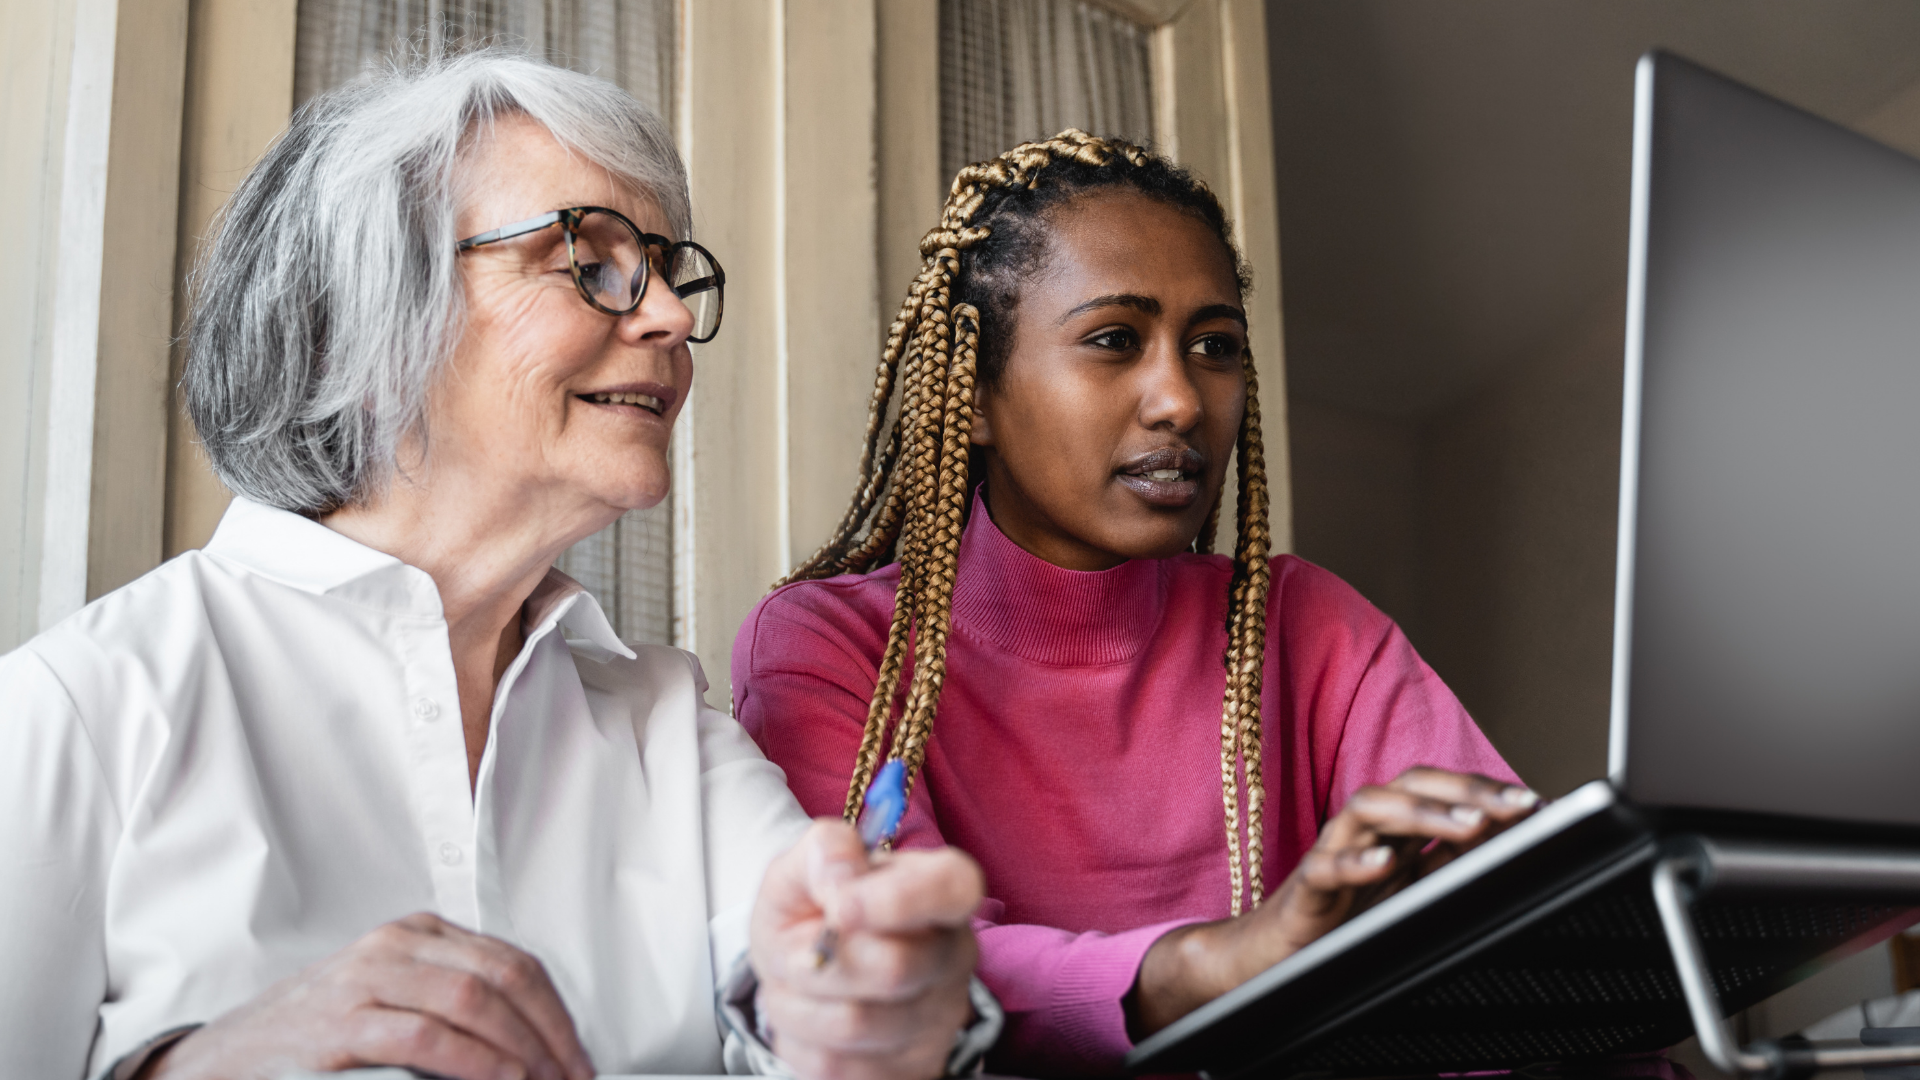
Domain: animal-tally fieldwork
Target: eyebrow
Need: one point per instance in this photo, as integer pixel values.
(1221, 311)
(1147, 305)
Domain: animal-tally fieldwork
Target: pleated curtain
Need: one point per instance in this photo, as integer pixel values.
(1014, 70)
(628, 41)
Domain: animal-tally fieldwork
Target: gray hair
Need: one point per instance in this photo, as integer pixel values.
(329, 295)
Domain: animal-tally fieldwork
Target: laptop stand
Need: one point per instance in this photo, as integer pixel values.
(1700, 867)
(1622, 938)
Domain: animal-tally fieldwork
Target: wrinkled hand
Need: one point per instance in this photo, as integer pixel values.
(889, 1003)
(419, 992)
(1385, 838)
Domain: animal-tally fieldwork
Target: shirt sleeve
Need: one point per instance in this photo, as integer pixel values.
(58, 825)
(750, 817)
(1064, 993)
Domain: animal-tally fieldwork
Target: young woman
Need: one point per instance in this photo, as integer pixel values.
(1025, 553)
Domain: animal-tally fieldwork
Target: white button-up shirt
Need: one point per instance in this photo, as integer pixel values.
(247, 759)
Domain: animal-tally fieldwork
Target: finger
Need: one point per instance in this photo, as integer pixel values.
(1502, 801)
(1347, 868)
(913, 890)
(520, 983)
(427, 1044)
(878, 967)
(1389, 812)
(799, 882)
(835, 857)
(789, 907)
(466, 1002)
(867, 1026)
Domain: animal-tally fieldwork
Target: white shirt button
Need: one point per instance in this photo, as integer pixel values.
(450, 853)
(425, 709)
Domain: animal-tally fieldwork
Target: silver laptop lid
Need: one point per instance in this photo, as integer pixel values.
(1767, 618)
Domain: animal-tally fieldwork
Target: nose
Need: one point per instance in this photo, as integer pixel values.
(662, 319)
(1169, 400)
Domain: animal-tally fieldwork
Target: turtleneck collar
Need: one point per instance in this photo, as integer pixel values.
(1018, 601)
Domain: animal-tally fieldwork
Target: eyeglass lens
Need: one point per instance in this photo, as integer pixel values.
(614, 267)
(612, 264)
(690, 268)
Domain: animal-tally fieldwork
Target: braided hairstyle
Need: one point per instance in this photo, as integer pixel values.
(916, 473)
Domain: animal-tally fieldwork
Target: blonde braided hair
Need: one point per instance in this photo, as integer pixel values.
(914, 482)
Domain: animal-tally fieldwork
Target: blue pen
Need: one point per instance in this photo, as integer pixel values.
(880, 813)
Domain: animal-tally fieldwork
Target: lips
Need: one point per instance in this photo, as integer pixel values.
(652, 399)
(1170, 476)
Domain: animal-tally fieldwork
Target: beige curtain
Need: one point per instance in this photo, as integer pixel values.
(1013, 70)
(629, 565)
(627, 41)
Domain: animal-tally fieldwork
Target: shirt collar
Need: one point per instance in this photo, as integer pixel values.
(560, 600)
(301, 553)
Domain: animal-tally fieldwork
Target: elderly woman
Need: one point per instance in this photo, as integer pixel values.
(366, 781)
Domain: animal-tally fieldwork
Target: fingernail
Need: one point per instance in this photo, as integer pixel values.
(1376, 856)
(1467, 815)
(1523, 797)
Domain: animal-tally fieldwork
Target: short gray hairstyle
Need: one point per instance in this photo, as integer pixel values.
(329, 297)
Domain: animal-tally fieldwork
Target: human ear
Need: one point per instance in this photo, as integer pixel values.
(982, 432)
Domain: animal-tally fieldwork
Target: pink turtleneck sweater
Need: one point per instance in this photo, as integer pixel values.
(1076, 751)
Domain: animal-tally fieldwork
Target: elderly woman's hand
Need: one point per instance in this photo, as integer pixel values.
(1383, 839)
(419, 992)
(890, 1001)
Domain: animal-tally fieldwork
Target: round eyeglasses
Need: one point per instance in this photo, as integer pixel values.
(613, 261)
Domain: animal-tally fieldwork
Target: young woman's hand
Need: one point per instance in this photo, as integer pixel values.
(890, 1001)
(419, 992)
(1383, 839)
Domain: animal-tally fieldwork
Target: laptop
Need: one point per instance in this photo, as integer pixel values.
(1766, 667)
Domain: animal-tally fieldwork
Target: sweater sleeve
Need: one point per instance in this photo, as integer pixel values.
(802, 680)
(1372, 706)
(802, 677)
(1064, 994)
(1403, 716)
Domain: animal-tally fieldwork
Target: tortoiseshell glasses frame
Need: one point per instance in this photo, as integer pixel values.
(613, 260)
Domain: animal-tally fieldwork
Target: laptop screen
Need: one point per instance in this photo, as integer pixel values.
(1767, 653)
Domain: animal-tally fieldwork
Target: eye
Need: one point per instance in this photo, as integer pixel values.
(1219, 348)
(1117, 339)
(549, 259)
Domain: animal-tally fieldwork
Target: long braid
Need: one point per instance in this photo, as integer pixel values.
(913, 443)
(887, 530)
(943, 547)
(911, 498)
(1246, 646)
